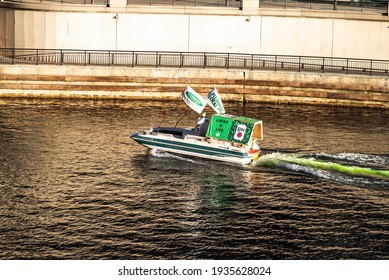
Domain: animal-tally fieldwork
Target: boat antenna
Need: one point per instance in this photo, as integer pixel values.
(161, 123)
(180, 120)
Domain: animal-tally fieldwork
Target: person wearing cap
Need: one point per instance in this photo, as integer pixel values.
(202, 125)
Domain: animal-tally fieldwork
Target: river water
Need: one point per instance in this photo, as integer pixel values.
(73, 185)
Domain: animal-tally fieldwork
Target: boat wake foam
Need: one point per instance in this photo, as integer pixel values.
(162, 154)
(343, 168)
(315, 165)
(356, 157)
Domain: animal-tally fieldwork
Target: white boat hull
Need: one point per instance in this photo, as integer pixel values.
(195, 146)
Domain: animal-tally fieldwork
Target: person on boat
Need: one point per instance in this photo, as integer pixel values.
(202, 125)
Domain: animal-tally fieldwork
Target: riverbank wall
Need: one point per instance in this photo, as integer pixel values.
(254, 30)
(167, 83)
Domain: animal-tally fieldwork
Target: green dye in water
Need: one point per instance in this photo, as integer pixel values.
(277, 159)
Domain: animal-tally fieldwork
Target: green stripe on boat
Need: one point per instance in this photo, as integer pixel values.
(163, 143)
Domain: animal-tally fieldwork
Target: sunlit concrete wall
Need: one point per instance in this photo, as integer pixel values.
(250, 32)
(7, 28)
(167, 83)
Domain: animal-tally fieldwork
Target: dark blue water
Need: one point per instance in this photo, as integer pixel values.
(73, 185)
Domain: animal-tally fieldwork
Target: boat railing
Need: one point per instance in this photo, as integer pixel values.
(268, 62)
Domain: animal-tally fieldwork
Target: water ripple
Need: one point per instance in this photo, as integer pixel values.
(74, 186)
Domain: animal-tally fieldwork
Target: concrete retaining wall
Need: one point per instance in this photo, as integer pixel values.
(167, 83)
(264, 31)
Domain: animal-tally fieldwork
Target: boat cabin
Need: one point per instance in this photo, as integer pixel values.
(238, 130)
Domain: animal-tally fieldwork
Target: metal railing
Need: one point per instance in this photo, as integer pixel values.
(195, 60)
(208, 3)
(78, 2)
(380, 6)
(375, 6)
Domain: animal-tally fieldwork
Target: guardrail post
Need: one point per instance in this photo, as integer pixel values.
(228, 61)
(181, 59)
(299, 63)
(205, 60)
(37, 57)
(322, 66)
(85, 58)
(156, 59)
(371, 67)
(252, 62)
(13, 56)
(387, 8)
(347, 66)
(275, 63)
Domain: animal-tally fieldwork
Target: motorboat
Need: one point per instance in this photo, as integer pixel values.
(224, 137)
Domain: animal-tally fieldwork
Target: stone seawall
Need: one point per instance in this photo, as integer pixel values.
(167, 83)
